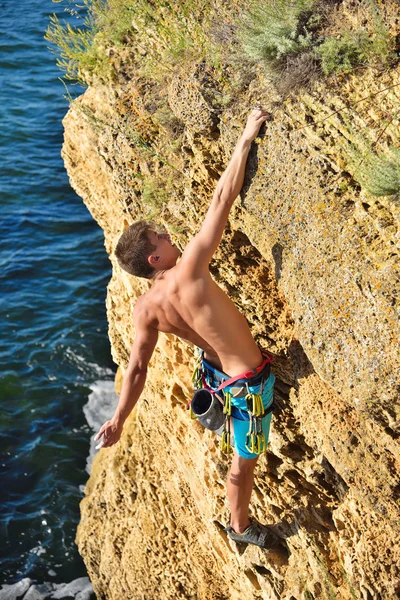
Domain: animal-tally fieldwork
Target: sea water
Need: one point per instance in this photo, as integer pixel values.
(54, 349)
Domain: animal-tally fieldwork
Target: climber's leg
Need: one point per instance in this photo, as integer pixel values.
(239, 487)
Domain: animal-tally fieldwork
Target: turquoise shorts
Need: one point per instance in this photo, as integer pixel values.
(260, 384)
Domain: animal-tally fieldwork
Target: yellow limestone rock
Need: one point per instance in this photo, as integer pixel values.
(313, 268)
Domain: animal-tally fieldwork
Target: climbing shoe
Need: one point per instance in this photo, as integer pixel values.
(257, 534)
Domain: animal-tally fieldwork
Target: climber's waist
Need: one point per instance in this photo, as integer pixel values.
(214, 378)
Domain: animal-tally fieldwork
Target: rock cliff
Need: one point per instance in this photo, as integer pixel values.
(312, 262)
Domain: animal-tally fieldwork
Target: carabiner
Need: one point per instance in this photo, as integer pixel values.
(227, 404)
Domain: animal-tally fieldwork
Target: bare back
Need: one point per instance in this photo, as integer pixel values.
(184, 299)
(195, 309)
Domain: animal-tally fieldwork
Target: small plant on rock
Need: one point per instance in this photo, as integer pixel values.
(380, 175)
(79, 56)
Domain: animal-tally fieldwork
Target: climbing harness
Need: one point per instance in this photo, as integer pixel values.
(214, 412)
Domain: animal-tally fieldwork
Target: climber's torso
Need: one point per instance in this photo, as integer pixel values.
(195, 309)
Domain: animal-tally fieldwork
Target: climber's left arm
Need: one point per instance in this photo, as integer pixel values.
(134, 379)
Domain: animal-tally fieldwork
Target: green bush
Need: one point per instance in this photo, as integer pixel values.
(83, 49)
(287, 37)
(79, 56)
(382, 44)
(163, 32)
(274, 29)
(343, 53)
(380, 175)
(354, 48)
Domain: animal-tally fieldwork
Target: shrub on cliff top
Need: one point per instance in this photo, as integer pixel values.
(281, 36)
(82, 48)
(341, 54)
(354, 48)
(79, 56)
(288, 37)
(273, 30)
(159, 34)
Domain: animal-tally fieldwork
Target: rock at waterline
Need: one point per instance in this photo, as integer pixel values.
(26, 589)
(15, 591)
(39, 591)
(80, 589)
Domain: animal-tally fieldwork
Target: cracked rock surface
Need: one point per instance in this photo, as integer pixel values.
(312, 262)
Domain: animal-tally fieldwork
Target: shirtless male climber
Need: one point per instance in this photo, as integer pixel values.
(184, 300)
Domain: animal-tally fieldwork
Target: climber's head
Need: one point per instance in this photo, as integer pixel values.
(144, 249)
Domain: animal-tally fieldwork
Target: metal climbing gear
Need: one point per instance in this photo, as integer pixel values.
(197, 374)
(225, 443)
(197, 378)
(227, 404)
(255, 439)
(255, 404)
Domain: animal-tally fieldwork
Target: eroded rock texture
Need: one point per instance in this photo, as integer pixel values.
(312, 262)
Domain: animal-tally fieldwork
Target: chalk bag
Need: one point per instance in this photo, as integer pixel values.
(208, 409)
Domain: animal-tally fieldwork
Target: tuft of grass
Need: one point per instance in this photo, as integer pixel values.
(298, 72)
(162, 34)
(79, 55)
(154, 193)
(355, 48)
(380, 175)
(383, 45)
(83, 49)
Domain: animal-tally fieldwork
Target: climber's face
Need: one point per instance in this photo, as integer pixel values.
(165, 254)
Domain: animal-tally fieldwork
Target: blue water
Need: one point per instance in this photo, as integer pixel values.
(53, 276)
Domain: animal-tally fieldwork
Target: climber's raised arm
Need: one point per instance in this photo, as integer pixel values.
(134, 377)
(201, 248)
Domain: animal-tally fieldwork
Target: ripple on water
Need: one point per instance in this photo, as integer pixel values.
(53, 276)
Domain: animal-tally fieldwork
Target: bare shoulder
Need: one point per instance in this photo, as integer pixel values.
(140, 306)
(146, 335)
(143, 316)
(191, 266)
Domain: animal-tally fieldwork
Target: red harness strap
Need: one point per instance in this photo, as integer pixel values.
(246, 375)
